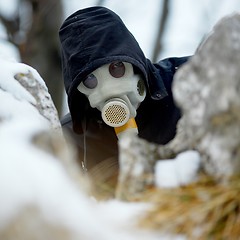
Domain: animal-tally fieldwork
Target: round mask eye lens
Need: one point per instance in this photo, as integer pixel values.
(90, 81)
(117, 69)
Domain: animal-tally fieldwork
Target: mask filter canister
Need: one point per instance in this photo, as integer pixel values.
(115, 112)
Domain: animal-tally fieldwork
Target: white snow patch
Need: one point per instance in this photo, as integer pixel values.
(179, 171)
(9, 84)
(8, 9)
(9, 51)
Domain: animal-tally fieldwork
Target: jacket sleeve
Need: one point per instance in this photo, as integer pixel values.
(160, 76)
(173, 62)
(167, 68)
(157, 118)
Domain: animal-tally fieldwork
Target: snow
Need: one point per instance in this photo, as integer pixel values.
(9, 84)
(9, 51)
(179, 171)
(9, 9)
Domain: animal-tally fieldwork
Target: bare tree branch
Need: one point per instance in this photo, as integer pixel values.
(41, 49)
(100, 2)
(162, 23)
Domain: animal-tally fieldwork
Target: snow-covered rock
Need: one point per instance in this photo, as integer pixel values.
(207, 89)
(136, 165)
(25, 90)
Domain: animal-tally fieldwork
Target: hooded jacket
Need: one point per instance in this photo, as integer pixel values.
(96, 36)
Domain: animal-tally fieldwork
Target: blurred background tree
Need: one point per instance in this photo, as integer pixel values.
(160, 31)
(34, 30)
(41, 47)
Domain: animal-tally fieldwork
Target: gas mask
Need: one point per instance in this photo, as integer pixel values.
(117, 92)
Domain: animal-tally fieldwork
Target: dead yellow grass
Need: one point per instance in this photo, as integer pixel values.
(203, 210)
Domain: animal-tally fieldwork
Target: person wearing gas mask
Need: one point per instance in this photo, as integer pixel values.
(112, 87)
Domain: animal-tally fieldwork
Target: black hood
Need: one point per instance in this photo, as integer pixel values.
(93, 37)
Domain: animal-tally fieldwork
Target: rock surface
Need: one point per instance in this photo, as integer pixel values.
(207, 89)
(39, 91)
(136, 166)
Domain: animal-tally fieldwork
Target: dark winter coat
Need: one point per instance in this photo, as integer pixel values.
(96, 36)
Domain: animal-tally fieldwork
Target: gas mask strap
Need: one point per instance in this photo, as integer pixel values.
(130, 126)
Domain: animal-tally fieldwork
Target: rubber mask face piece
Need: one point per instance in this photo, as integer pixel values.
(114, 90)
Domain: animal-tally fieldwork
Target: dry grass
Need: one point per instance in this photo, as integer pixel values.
(104, 179)
(203, 210)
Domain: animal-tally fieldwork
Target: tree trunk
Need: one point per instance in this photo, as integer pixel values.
(41, 49)
(162, 23)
